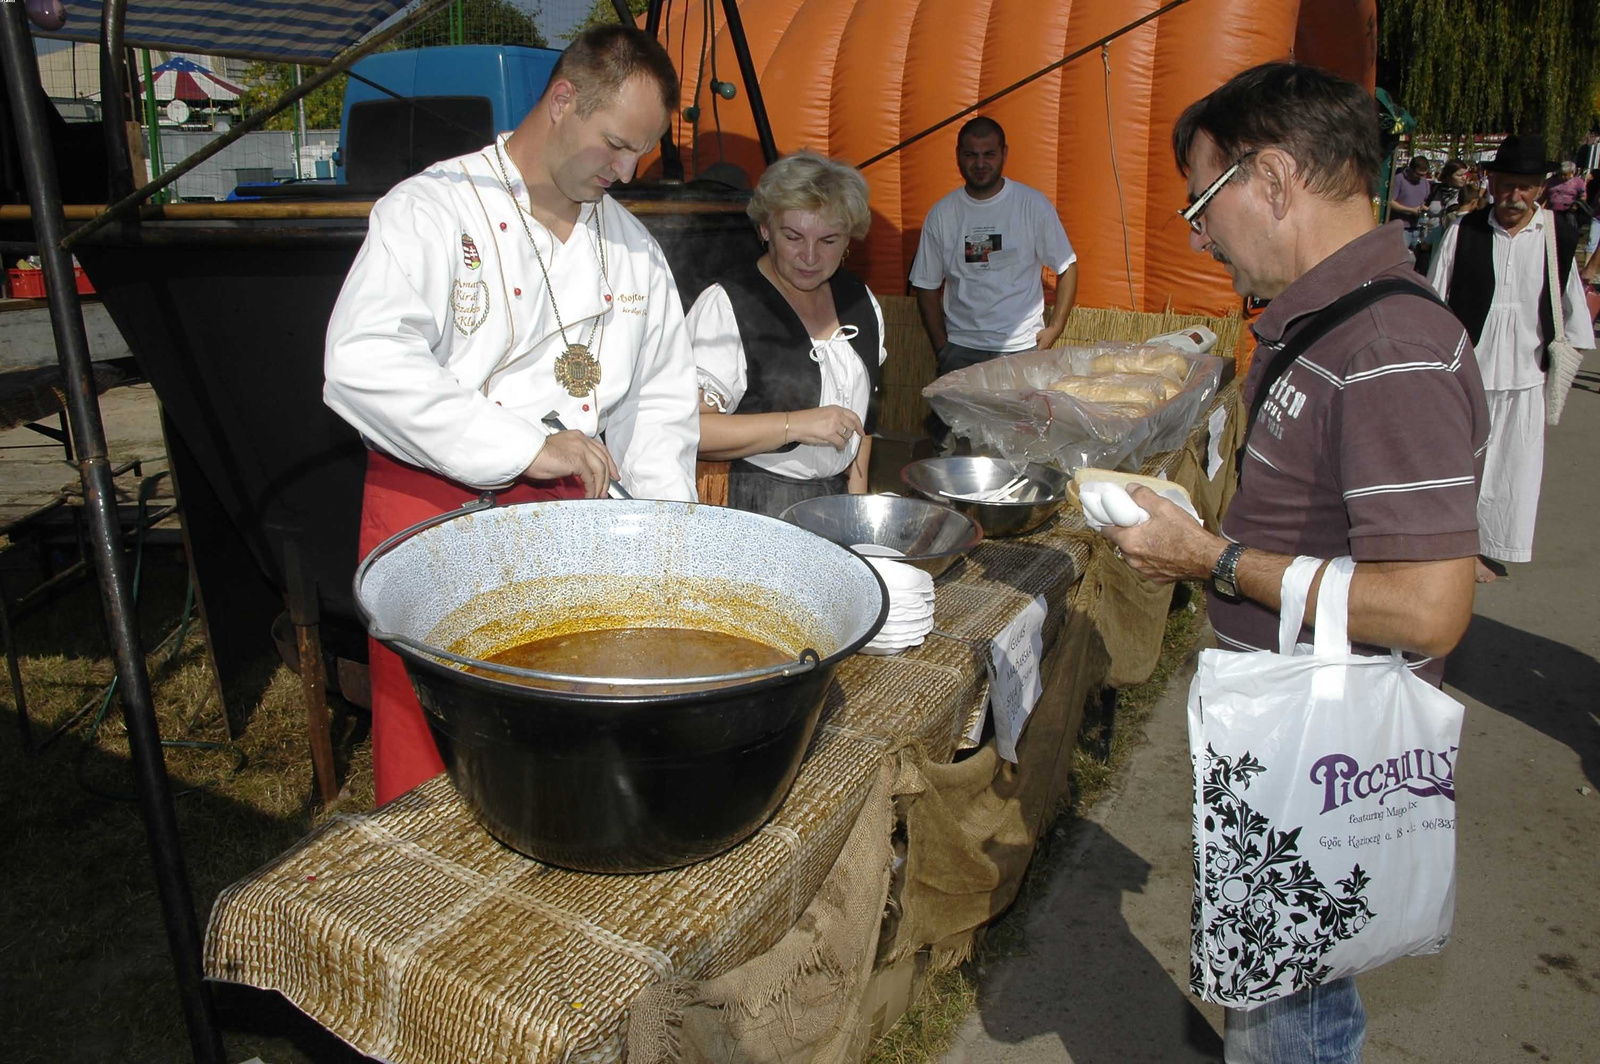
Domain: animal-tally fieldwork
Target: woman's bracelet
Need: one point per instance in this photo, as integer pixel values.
(785, 426)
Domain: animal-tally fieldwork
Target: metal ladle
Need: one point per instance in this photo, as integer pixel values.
(615, 489)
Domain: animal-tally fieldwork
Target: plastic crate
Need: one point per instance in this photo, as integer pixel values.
(26, 284)
(29, 284)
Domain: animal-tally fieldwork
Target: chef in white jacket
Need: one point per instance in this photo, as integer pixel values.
(494, 289)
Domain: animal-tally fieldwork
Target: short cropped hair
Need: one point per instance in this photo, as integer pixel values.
(602, 60)
(1327, 124)
(806, 181)
(982, 126)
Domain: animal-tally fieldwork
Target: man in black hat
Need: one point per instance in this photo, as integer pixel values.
(1494, 269)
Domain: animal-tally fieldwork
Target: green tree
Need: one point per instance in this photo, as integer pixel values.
(1487, 66)
(265, 82)
(475, 22)
(604, 13)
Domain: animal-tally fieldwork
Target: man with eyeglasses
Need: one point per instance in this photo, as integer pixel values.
(1368, 428)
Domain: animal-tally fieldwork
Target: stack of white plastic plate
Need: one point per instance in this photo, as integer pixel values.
(910, 607)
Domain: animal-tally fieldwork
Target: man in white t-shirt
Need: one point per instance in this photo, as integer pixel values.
(984, 245)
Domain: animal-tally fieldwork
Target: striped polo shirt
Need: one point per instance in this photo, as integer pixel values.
(1370, 445)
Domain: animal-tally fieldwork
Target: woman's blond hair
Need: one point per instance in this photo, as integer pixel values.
(806, 181)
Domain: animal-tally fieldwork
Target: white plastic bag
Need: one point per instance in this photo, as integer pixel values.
(1324, 828)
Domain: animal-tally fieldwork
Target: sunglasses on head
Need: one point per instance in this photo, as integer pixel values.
(1192, 213)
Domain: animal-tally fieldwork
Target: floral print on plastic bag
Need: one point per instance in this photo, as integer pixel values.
(1261, 919)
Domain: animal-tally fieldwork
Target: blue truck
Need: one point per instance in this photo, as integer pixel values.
(405, 110)
(441, 102)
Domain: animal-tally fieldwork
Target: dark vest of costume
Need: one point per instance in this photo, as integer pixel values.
(1472, 279)
(779, 372)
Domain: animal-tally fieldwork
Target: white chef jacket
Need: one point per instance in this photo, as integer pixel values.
(1509, 348)
(723, 375)
(442, 347)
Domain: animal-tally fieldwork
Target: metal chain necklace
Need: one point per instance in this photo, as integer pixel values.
(577, 368)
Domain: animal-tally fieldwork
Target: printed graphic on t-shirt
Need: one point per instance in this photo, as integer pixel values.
(982, 245)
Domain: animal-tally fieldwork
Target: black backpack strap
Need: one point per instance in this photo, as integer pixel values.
(1324, 321)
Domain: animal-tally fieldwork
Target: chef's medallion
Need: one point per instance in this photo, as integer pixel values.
(578, 371)
(469, 253)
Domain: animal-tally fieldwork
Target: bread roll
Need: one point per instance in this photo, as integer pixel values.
(1128, 480)
(1166, 363)
(1142, 390)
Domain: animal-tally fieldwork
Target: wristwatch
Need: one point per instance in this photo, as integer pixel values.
(1223, 574)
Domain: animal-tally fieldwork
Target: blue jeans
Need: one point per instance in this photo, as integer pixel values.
(1323, 1025)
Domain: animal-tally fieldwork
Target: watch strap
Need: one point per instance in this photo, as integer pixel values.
(1224, 575)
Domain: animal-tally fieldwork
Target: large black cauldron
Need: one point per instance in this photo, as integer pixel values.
(637, 776)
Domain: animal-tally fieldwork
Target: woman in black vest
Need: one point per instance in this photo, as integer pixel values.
(789, 348)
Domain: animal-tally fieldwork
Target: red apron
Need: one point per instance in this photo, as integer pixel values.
(397, 496)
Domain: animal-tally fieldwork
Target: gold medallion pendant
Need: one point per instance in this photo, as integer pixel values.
(578, 371)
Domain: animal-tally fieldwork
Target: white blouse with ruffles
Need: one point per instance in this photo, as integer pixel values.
(720, 369)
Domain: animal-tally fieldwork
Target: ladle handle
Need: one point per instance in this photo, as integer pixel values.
(614, 488)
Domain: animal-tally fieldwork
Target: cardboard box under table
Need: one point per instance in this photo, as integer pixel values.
(415, 937)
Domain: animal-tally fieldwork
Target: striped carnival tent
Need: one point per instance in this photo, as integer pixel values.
(184, 79)
(283, 31)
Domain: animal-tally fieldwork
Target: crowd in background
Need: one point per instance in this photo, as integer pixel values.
(1427, 204)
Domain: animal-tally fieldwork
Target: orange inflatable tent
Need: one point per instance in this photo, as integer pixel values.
(852, 78)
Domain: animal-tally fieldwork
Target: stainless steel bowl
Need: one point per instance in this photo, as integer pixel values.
(944, 479)
(930, 536)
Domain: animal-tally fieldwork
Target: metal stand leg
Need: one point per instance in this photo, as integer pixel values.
(14, 667)
(303, 611)
(21, 73)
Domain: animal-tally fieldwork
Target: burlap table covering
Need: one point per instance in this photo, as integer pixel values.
(414, 936)
(1132, 611)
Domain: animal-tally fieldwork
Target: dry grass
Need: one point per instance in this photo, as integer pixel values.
(929, 1028)
(85, 973)
(1094, 775)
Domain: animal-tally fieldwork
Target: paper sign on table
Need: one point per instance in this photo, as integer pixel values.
(1215, 424)
(1014, 683)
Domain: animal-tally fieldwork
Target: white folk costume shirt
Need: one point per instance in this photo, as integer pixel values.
(723, 376)
(987, 254)
(442, 347)
(1509, 347)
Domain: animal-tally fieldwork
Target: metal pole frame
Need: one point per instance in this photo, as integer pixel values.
(100, 503)
(113, 116)
(752, 84)
(671, 158)
(152, 121)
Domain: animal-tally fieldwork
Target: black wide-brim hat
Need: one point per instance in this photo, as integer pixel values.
(1519, 154)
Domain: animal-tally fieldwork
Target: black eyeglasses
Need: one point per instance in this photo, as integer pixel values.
(1193, 211)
